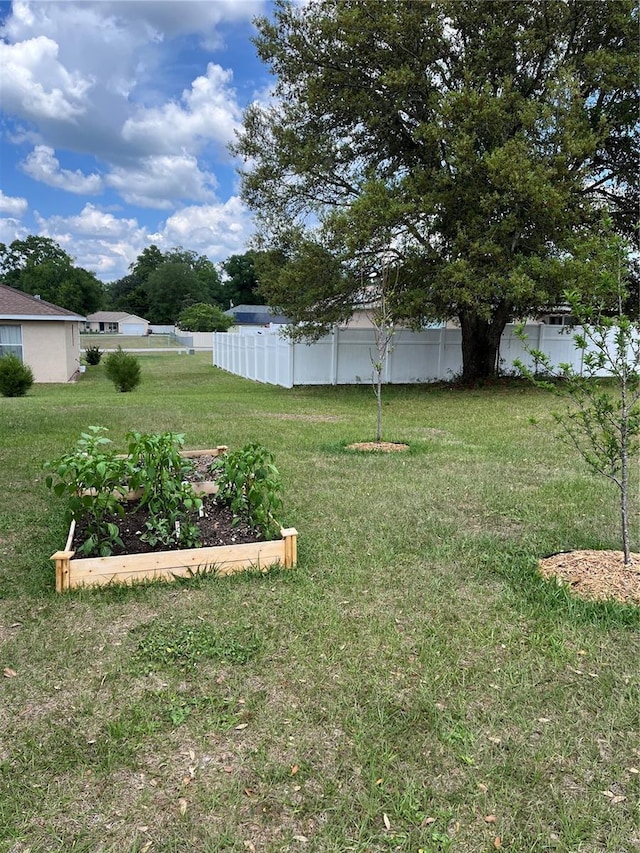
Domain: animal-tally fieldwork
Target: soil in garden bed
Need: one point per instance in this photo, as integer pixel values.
(216, 528)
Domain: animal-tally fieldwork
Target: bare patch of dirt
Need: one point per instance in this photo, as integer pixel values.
(596, 575)
(282, 416)
(381, 446)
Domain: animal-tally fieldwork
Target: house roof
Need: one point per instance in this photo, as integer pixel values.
(255, 315)
(16, 305)
(113, 317)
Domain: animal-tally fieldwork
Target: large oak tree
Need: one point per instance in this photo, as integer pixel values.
(462, 141)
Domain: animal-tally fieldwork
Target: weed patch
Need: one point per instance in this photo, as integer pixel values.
(162, 644)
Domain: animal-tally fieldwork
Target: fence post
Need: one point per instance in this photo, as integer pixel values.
(291, 362)
(334, 356)
(441, 351)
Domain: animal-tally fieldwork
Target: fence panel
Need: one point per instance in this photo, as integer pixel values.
(314, 364)
(345, 356)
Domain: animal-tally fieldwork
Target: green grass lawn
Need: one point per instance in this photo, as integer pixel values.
(137, 342)
(411, 686)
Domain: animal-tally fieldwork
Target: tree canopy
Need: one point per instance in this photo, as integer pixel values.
(204, 318)
(462, 142)
(241, 286)
(161, 284)
(38, 265)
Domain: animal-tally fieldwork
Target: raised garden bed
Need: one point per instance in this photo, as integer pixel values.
(250, 552)
(169, 565)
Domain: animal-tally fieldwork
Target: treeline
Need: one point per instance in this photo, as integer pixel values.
(160, 286)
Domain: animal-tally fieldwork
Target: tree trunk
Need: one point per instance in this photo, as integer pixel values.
(481, 344)
(379, 406)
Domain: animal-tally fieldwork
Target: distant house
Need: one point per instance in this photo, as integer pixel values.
(42, 335)
(116, 323)
(256, 317)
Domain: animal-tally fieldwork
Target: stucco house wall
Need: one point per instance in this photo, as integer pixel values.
(52, 350)
(49, 336)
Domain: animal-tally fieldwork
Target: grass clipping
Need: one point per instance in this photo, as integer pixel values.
(596, 575)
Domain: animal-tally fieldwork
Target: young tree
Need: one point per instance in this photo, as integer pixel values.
(384, 329)
(473, 137)
(602, 418)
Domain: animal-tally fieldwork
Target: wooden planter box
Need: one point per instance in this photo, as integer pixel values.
(168, 565)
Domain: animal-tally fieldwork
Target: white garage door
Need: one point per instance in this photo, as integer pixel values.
(133, 329)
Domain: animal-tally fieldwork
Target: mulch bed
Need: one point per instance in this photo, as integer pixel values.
(381, 446)
(596, 575)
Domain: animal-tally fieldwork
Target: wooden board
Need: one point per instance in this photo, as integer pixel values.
(168, 565)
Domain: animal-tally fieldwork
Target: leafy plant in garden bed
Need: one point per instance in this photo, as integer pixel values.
(160, 473)
(250, 484)
(97, 483)
(94, 481)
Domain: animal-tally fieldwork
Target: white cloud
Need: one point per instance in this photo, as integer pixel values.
(14, 206)
(35, 85)
(185, 16)
(97, 240)
(159, 180)
(12, 229)
(131, 84)
(92, 77)
(106, 244)
(93, 222)
(215, 230)
(42, 165)
(208, 111)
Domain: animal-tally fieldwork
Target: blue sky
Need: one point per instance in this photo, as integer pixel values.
(114, 122)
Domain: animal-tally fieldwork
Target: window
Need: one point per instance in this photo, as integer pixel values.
(561, 320)
(11, 340)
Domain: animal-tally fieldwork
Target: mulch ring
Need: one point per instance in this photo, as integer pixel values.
(596, 575)
(381, 446)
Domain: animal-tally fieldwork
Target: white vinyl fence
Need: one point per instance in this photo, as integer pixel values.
(198, 341)
(344, 356)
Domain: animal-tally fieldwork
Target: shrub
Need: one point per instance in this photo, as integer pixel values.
(15, 377)
(123, 369)
(92, 355)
